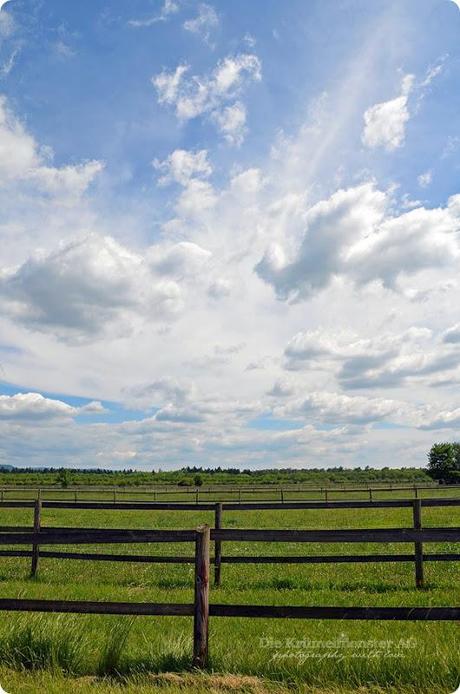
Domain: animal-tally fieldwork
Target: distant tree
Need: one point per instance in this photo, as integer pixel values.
(63, 477)
(444, 462)
(198, 481)
(185, 482)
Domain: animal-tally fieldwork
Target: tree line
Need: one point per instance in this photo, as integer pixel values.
(444, 462)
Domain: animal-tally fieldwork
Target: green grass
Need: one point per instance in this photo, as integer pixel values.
(41, 651)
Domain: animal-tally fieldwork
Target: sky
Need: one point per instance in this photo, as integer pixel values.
(229, 232)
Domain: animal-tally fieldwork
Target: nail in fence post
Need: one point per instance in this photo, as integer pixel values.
(201, 605)
(217, 545)
(37, 524)
(417, 512)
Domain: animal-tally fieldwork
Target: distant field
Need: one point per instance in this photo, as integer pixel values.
(87, 646)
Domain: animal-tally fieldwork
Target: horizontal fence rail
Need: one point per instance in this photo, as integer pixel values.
(202, 609)
(228, 506)
(44, 535)
(339, 536)
(222, 492)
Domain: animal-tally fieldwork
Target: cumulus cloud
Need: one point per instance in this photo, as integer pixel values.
(204, 23)
(441, 419)
(231, 122)
(338, 409)
(351, 235)
(80, 288)
(384, 361)
(182, 165)
(385, 123)
(34, 407)
(452, 335)
(211, 94)
(179, 260)
(21, 159)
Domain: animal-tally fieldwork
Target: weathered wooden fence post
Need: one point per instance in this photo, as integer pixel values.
(417, 513)
(370, 494)
(217, 545)
(37, 525)
(201, 605)
(325, 495)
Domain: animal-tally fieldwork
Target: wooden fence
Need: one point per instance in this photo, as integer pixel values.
(201, 609)
(358, 535)
(241, 493)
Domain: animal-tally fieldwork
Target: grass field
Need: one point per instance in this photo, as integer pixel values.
(106, 653)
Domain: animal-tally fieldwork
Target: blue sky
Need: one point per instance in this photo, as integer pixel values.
(230, 232)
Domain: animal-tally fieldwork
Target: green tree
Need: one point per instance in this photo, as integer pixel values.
(198, 480)
(63, 477)
(444, 462)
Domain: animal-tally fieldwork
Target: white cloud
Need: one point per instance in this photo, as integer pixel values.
(385, 123)
(424, 180)
(351, 235)
(196, 198)
(169, 8)
(204, 23)
(80, 288)
(210, 94)
(231, 122)
(247, 182)
(183, 165)
(8, 65)
(181, 259)
(452, 335)
(21, 159)
(338, 409)
(445, 419)
(33, 407)
(384, 361)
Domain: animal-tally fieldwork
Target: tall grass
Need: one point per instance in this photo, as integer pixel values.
(112, 647)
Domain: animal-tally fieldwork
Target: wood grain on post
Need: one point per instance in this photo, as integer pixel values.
(417, 512)
(217, 545)
(201, 602)
(37, 524)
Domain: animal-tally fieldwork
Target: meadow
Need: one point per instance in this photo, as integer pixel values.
(107, 653)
